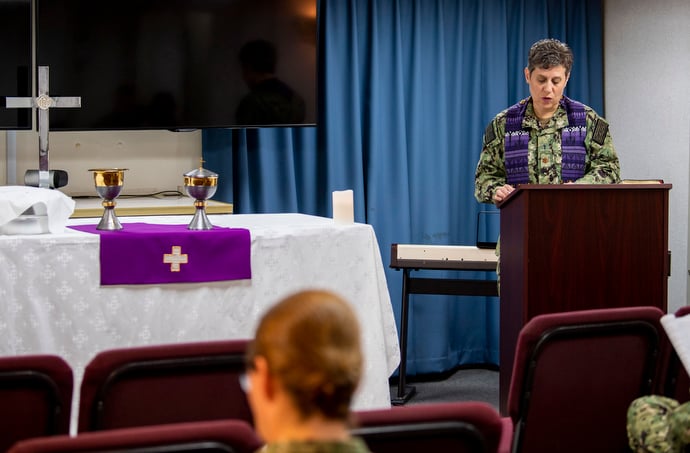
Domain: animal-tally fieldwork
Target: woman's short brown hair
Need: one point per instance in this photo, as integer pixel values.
(548, 53)
(311, 342)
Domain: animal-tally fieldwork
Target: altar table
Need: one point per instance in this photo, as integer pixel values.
(51, 300)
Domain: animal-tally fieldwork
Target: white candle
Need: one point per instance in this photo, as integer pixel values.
(343, 207)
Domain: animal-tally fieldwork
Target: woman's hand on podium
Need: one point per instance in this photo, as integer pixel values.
(502, 192)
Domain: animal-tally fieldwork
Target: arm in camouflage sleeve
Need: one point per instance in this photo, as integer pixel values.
(491, 170)
(603, 166)
(658, 424)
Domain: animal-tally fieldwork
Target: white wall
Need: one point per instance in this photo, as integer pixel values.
(156, 159)
(647, 102)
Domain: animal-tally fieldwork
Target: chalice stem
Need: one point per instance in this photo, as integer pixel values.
(109, 221)
(200, 220)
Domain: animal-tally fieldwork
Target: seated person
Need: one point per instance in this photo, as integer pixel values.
(302, 370)
(657, 424)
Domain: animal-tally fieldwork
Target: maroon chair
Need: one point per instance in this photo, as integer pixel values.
(460, 427)
(35, 397)
(170, 383)
(218, 436)
(677, 382)
(575, 375)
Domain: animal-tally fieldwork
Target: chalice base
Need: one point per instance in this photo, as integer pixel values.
(109, 221)
(200, 220)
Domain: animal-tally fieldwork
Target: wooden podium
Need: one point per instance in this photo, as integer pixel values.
(574, 247)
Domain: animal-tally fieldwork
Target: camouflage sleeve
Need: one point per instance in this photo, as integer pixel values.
(491, 171)
(657, 424)
(680, 425)
(603, 166)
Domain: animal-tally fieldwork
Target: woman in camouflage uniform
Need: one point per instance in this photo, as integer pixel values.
(546, 138)
(303, 368)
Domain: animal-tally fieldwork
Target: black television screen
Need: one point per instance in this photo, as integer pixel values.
(175, 64)
(15, 58)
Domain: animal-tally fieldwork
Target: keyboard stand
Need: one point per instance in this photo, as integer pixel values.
(408, 258)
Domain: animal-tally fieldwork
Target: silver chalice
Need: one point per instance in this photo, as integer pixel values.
(200, 184)
(108, 183)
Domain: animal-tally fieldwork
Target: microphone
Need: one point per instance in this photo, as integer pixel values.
(56, 178)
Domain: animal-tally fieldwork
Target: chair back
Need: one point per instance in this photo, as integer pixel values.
(576, 373)
(219, 436)
(677, 382)
(170, 383)
(35, 397)
(460, 427)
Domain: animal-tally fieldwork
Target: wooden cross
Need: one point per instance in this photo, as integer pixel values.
(43, 102)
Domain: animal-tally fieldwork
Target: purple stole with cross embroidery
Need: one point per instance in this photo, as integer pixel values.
(572, 143)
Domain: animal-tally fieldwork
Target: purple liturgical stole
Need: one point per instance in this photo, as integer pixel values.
(572, 143)
(143, 253)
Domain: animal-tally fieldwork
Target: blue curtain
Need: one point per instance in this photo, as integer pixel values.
(406, 90)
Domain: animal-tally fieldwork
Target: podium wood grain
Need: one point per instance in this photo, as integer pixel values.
(576, 247)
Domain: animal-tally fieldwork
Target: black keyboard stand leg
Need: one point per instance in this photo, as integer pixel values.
(404, 393)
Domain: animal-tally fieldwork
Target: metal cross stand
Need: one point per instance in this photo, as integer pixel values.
(43, 102)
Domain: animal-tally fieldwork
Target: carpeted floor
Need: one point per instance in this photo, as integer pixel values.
(465, 384)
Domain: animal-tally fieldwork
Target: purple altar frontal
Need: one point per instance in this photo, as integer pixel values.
(143, 253)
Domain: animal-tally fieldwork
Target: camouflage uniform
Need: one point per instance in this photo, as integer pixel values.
(544, 154)
(544, 158)
(353, 445)
(657, 424)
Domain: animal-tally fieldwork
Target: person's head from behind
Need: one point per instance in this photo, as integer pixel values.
(304, 365)
(258, 59)
(548, 69)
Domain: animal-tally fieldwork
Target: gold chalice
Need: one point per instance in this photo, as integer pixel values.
(109, 183)
(200, 184)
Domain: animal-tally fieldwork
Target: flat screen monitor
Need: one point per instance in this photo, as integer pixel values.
(15, 61)
(180, 64)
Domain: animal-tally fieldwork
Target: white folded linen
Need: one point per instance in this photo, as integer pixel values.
(33, 210)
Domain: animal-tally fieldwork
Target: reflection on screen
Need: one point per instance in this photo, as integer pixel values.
(175, 64)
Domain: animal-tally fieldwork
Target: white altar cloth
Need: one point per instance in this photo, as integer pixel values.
(52, 302)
